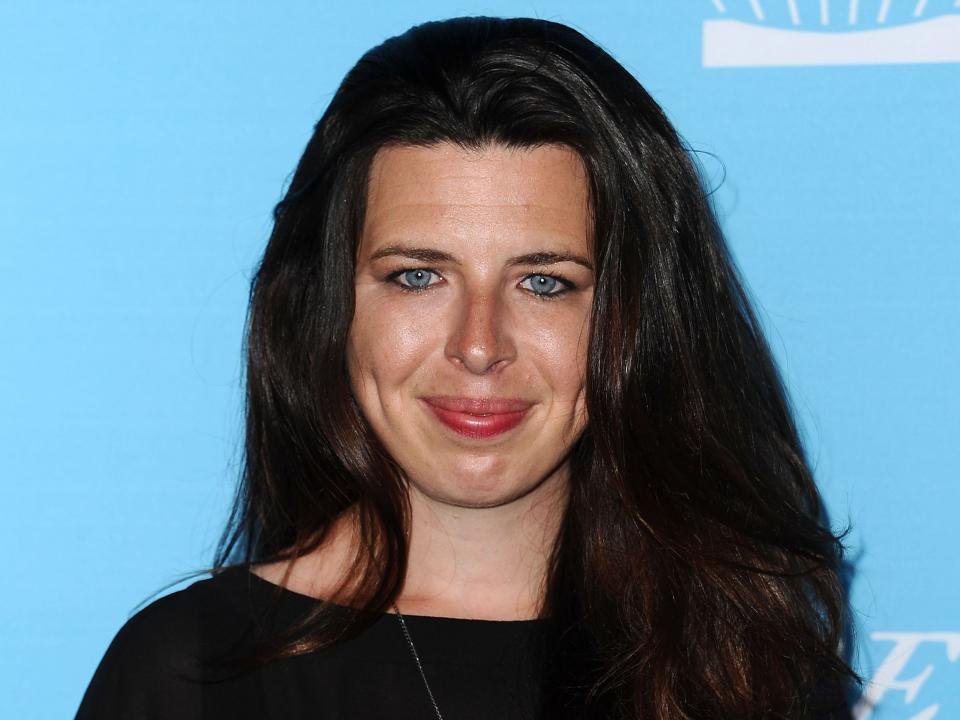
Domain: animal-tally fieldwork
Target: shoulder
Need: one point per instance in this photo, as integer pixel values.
(153, 666)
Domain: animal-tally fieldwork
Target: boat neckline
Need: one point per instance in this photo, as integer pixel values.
(304, 598)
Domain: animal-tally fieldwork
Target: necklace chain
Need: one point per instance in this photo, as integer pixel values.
(416, 657)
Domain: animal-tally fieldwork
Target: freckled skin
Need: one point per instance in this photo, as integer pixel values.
(479, 329)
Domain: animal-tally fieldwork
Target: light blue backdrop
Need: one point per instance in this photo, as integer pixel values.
(142, 146)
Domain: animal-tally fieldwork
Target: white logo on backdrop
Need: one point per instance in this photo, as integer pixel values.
(758, 33)
(887, 676)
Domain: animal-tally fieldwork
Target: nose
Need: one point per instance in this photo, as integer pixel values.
(479, 338)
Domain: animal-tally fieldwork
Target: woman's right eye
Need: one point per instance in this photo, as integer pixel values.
(412, 279)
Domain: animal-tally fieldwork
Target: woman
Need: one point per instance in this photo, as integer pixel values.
(515, 444)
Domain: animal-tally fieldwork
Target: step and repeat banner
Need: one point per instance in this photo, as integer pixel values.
(143, 145)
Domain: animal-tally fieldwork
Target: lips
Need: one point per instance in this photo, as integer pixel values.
(478, 418)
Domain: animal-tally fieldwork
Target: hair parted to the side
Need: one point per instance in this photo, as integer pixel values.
(694, 575)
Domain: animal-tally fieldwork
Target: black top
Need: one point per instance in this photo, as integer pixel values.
(476, 668)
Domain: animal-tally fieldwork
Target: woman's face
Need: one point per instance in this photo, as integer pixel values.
(474, 281)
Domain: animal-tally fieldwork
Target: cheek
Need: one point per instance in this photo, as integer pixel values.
(386, 344)
(561, 349)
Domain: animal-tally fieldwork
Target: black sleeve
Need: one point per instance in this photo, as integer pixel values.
(151, 669)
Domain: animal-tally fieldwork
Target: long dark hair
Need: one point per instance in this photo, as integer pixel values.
(694, 575)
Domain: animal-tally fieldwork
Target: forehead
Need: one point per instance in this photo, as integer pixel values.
(495, 193)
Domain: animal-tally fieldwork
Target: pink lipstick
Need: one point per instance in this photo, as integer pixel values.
(478, 418)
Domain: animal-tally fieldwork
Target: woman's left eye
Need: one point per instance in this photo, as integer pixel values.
(546, 285)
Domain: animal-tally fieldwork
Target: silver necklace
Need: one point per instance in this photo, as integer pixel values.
(416, 658)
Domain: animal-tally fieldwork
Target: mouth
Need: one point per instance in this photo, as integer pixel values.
(478, 418)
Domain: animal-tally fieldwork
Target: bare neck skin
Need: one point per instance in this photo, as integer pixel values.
(480, 563)
(485, 563)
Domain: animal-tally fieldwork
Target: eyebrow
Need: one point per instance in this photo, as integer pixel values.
(430, 255)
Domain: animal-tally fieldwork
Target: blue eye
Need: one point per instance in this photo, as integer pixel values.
(542, 286)
(416, 279)
(545, 285)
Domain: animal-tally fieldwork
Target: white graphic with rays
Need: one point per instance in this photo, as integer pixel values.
(759, 33)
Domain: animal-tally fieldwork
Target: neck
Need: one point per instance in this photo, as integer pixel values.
(484, 563)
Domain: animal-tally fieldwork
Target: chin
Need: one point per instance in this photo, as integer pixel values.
(480, 491)
(465, 498)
